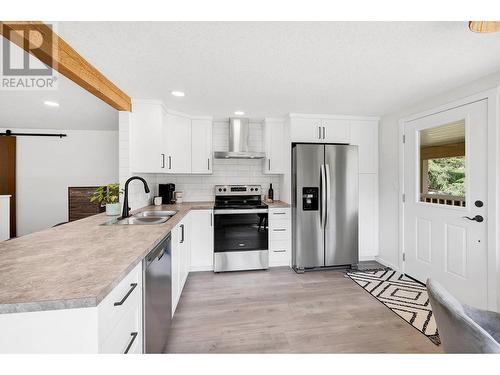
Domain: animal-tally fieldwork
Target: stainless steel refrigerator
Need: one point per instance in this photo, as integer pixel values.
(324, 206)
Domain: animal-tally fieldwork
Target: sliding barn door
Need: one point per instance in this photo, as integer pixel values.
(8, 176)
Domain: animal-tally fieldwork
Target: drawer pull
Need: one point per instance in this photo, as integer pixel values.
(279, 213)
(134, 335)
(132, 287)
(279, 251)
(279, 230)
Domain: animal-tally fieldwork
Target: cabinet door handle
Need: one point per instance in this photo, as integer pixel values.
(324, 132)
(279, 213)
(182, 233)
(134, 335)
(132, 287)
(163, 161)
(211, 219)
(319, 132)
(269, 164)
(279, 230)
(208, 163)
(279, 251)
(169, 162)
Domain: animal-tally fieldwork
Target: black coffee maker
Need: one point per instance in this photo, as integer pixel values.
(166, 192)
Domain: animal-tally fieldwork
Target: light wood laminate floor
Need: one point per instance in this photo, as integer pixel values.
(278, 311)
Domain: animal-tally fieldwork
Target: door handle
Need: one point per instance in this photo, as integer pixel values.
(134, 335)
(327, 204)
(319, 132)
(182, 233)
(132, 287)
(324, 132)
(163, 161)
(169, 162)
(323, 196)
(477, 218)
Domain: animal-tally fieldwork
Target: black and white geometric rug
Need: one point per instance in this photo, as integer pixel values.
(404, 296)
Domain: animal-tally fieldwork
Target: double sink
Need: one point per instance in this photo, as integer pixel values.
(147, 218)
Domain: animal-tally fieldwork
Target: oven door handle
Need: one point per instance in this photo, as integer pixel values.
(249, 211)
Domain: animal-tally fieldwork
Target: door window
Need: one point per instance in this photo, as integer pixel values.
(443, 164)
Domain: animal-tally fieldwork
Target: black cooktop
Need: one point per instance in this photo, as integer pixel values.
(239, 202)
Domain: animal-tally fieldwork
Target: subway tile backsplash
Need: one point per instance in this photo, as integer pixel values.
(201, 187)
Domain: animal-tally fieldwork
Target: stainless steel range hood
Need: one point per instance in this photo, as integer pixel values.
(238, 142)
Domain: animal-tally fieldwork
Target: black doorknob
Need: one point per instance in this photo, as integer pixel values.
(479, 203)
(477, 218)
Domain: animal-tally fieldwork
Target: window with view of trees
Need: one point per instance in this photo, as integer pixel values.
(446, 176)
(442, 164)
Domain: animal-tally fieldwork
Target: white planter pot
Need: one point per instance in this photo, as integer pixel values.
(112, 209)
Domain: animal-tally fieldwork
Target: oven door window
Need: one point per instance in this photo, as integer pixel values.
(240, 232)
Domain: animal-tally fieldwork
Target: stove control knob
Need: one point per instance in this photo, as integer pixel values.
(256, 189)
(220, 189)
(251, 189)
(224, 189)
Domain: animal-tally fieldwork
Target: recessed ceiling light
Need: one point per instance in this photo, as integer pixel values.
(178, 93)
(239, 113)
(51, 104)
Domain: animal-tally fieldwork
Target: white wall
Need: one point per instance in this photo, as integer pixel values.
(389, 159)
(47, 166)
(200, 187)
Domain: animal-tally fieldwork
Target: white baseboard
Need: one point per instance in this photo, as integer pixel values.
(386, 263)
(201, 269)
(364, 258)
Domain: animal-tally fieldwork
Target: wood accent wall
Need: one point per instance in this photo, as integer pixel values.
(60, 56)
(79, 205)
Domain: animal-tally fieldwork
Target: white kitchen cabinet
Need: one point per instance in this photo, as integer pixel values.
(319, 130)
(364, 134)
(201, 146)
(180, 259)
(279, 237)
(274, 146)
(147, 150)
(111, 327)
(177, 141)
(202, 240)
(306, 130)
(335, 130)
(368, 216)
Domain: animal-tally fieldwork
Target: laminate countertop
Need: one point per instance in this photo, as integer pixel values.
(77, 264)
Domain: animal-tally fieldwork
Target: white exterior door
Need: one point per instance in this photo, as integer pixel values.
(440, 242)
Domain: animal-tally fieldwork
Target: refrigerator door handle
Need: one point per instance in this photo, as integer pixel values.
(323, 197)
(328, 191)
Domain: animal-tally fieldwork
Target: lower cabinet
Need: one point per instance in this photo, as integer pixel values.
(202, 242)
(279, 237)
(114, 326)
(181, 258)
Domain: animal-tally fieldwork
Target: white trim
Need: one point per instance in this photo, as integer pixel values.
(387, 264)
(366, 258)
(493, 156)
(329, 116)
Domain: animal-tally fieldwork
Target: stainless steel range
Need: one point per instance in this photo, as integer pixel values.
(240, 228)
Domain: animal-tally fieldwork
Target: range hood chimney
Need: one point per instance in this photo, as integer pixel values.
(238, 142)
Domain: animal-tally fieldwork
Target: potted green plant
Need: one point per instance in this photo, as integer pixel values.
(108, 196)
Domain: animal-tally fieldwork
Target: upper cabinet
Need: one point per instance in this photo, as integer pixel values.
(177, 141)
(319, 130)
(364, 134)
(162, 141)
(201, 146)
(274, 146)
(145, 138)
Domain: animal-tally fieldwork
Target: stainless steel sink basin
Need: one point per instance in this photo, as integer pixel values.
(157, 213)
(137, 220)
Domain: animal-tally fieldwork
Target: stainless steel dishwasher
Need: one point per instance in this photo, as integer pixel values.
(157, 279)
